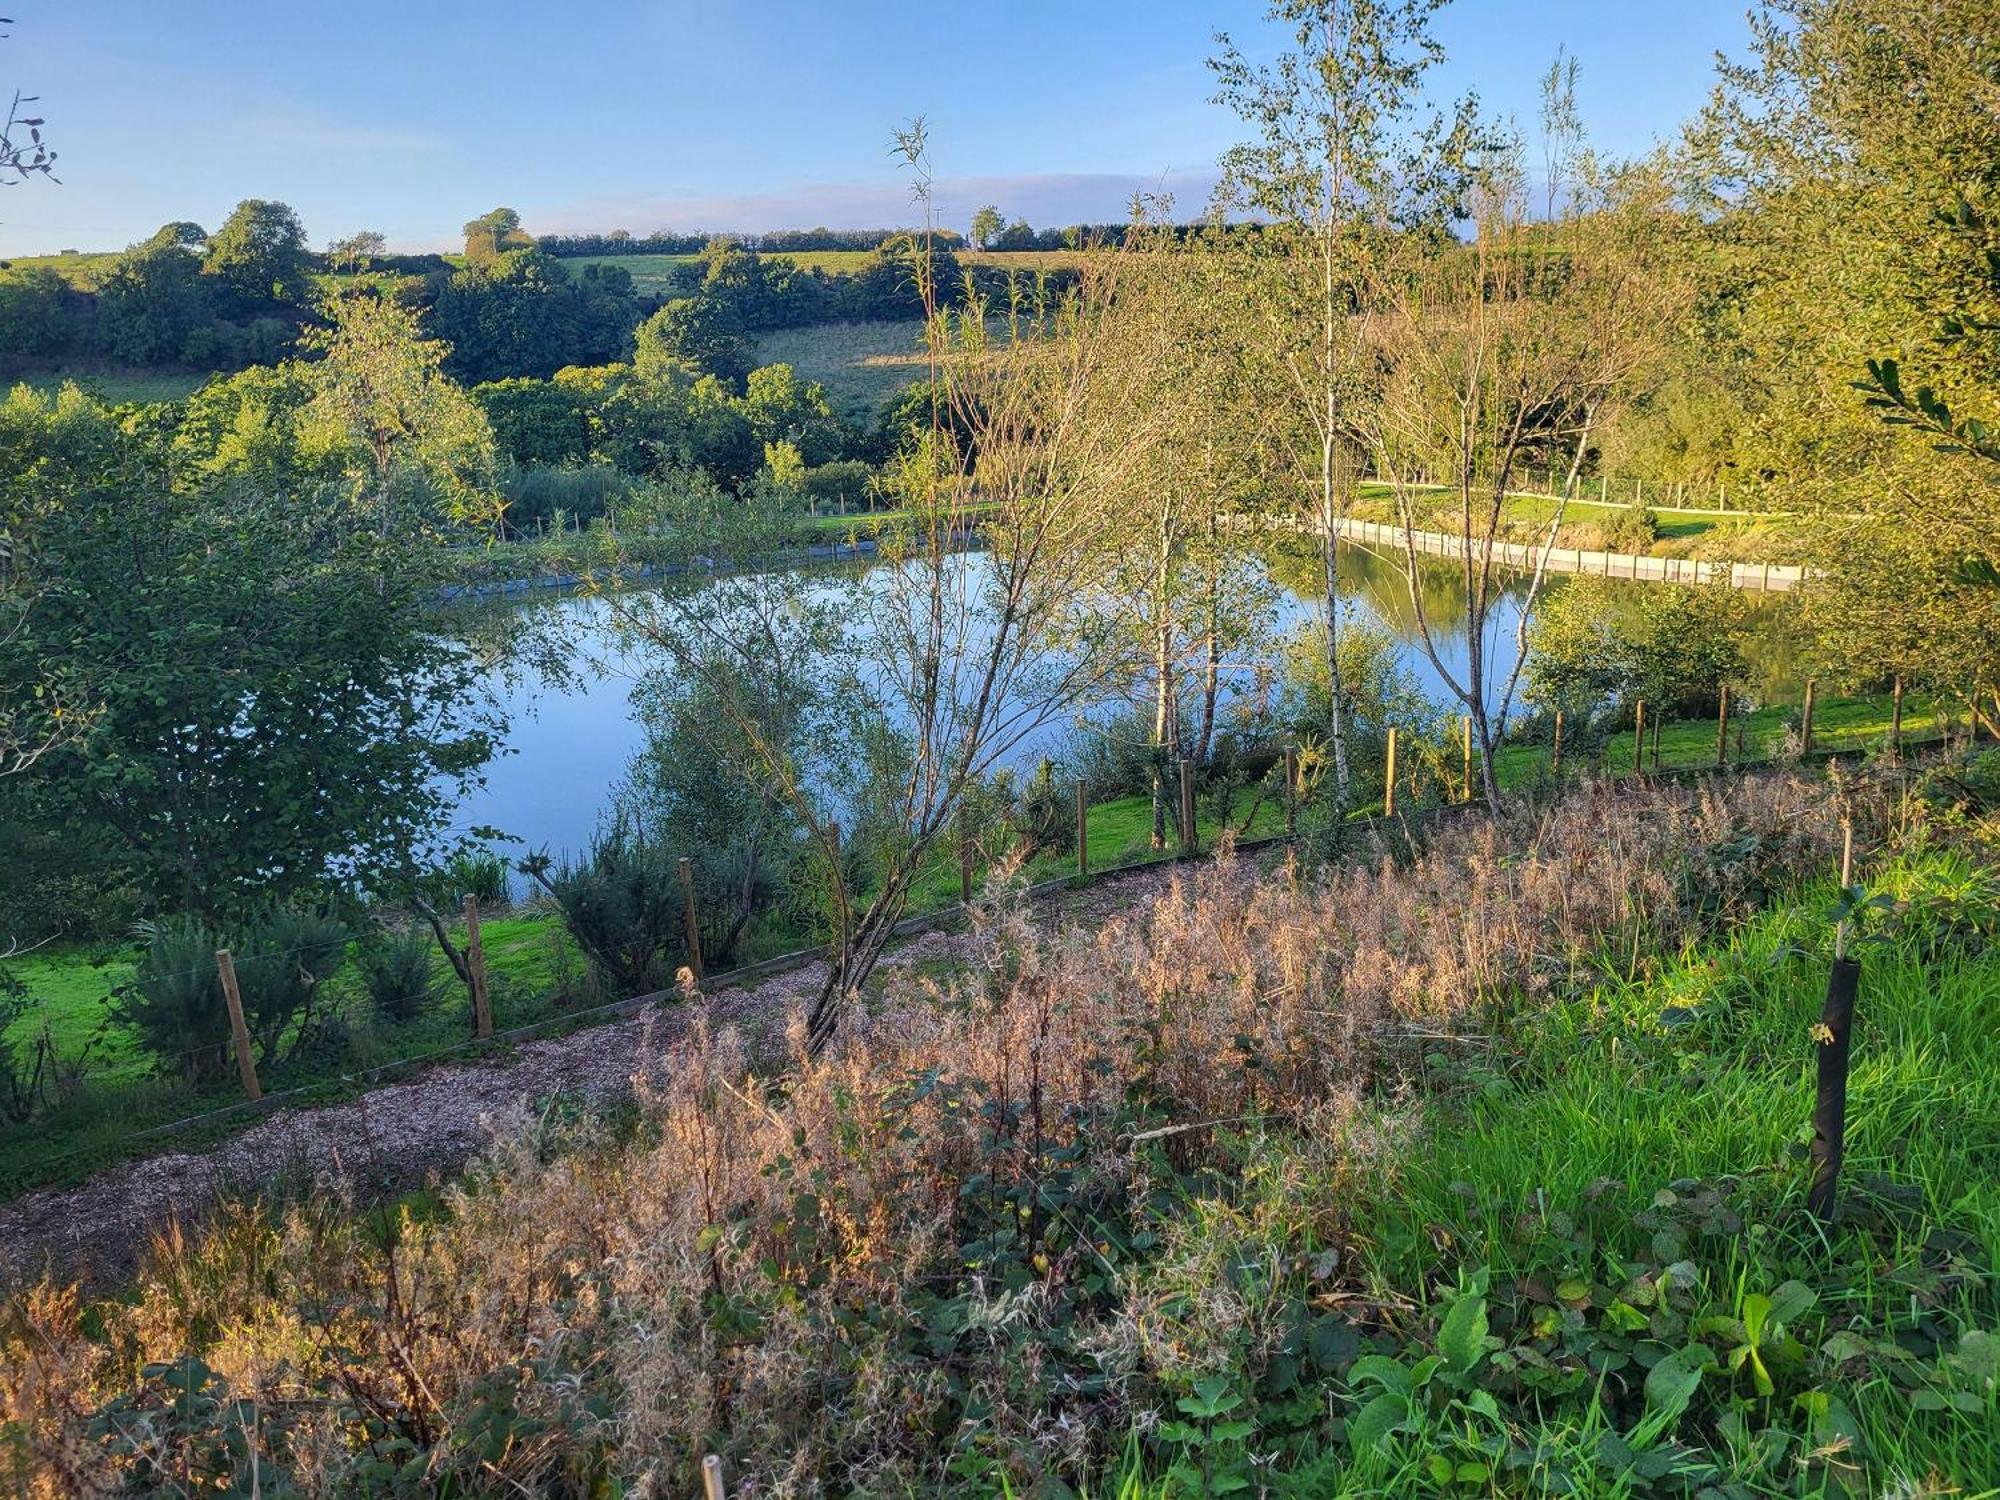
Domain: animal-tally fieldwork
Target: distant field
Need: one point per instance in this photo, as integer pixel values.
(860, 364)
(113, 384)
(657, 273)
(82, 269)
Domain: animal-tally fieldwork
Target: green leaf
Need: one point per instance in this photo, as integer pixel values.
(1462, 1338)
(1371, 1426)
(1674, 1380)
(1379, 1369)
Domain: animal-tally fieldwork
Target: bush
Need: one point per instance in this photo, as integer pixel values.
(480, 874)
(559, 496)
(175, 999)
(622, 904)
(1632, 530)
(396, 968)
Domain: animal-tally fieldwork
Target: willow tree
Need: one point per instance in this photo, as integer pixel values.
(1348, 160)
(1504, 356)
(1180, 581)
(937, 666)
(1852, 155)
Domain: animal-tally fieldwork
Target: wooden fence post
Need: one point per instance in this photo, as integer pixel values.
(239, 1033)
(964, 860)
(689, 916)
(1722, 729)
(1639, 736)
(1556, 755)
(1836, 1025)
(1806, 718)
(1291, 791)
(1389, 778)
(475, 963)
(1082, 830)
(1190, 843)
(1896, 719)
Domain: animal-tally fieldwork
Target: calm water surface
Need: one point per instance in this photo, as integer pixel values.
(569, 746)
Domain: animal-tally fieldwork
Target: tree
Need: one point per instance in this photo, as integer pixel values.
(986, 224)
(1346, 164)
(1867, 231)
(947, 663)
(357, 251)
(412, 446)
(272, 711)
(492, 234)
(23, 152)
(1506, 354)
(260, 254)
(154, 298)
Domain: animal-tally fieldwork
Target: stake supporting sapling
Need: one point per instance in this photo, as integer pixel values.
(475, 960)
(239, 1032)
(1833, 1036)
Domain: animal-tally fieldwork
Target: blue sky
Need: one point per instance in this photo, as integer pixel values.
(412, 116)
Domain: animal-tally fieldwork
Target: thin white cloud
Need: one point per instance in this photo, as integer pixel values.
(1042, 198)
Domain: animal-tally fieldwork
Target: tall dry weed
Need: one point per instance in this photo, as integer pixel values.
(911, 1259)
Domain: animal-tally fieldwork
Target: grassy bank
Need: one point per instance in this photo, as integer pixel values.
(539, 978)
(1474, 1175)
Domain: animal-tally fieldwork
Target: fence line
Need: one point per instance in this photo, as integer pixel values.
(1635, 566)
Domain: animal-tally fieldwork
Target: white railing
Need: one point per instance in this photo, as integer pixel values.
(1769, 577)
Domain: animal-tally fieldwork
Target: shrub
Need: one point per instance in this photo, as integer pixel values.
(175, 999)
(559, 496)
(622, 904)
(480, 874)
(396, 968)
(1633, 530)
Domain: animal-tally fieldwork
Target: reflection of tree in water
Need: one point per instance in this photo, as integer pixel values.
(1374, 578)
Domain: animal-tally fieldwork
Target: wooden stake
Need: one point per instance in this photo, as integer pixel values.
(1466, 784)
(1082, 830)
(1806, 718)
(239, 1033)
(1829, 1138)
(1291, 791)
(964, 861)
(711, 1479)
(1389, 778)
(1556, 755)
(475, 962)
(1658, 720)
(1722, 729)
(690, 917)
(1639, 736)
(1190, 843)
(1896, 719)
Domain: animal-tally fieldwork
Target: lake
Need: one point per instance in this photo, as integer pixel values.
(570, 745)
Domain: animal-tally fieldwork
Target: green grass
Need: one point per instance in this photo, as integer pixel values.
(861, 364)
(1581, 1154)
(116, 384)
(83, 269)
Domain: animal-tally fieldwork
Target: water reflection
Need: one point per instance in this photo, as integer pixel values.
(566, 682)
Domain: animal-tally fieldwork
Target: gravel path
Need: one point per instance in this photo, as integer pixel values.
(398, 1136)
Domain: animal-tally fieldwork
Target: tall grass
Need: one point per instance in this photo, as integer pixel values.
(1132, 1205)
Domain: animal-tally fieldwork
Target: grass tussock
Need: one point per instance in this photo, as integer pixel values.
(1138, 1204)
